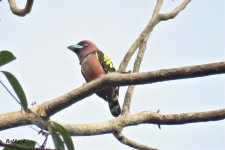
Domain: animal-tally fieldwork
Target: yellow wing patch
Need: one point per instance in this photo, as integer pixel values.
(108, 61)
(96, 55)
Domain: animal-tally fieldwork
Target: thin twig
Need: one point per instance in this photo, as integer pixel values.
(120, 137)
(142, 46)
(146, 32)
(136, 68)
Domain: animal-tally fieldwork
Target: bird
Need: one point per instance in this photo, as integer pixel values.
(95, 64)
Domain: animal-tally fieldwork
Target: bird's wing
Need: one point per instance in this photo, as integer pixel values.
(84, 76)
(105, 62)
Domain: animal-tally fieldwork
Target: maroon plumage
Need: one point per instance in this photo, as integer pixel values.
(94, 64)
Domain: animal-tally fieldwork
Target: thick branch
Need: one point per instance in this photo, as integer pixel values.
(120, 122)
(15, 119)
(145, 117)
(21, 12)
(51, 107)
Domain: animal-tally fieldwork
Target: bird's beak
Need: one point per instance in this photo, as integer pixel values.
(75, 47)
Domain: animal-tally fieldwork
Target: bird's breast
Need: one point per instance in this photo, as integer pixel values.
(91, 68)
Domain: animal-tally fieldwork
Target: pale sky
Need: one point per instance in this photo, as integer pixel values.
(47, 69)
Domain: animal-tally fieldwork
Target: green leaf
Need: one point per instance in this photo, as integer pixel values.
(17, 88)
(6, 57)
(29, 143)
(66, 136)
(56, 138)
(26, 143)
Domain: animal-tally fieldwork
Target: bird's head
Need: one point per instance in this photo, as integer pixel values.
(83, 48)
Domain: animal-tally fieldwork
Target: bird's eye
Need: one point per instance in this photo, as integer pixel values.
(85, 44)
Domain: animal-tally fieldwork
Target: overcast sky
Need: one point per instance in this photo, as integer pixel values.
(46, 69)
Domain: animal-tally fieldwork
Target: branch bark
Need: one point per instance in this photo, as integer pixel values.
(21, 12)
(175, 12)
(156, 18)
(141, 43)
(49, 108)
(136, 68)
(20, 119)
(143, 118)
(120, 137)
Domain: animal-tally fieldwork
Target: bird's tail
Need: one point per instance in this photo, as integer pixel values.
(114, 107)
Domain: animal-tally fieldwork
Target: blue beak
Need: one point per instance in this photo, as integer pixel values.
(75, 47)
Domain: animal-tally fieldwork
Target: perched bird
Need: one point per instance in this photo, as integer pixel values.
(94, 64)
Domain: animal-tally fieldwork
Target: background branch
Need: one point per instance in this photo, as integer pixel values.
(136, 68)
(120, 137)
(175, 12)
(21, 12)
(156, 18)
(141, 44)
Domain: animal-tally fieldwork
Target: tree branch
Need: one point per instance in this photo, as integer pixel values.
(15, 119)
(49, 108)
(120, 137)
(143, 118)
(21, 12)
(175, 12)
(21, 119)
(156, 18)
(145, 33)
(141, 43)
(136, 68)
(115, 126)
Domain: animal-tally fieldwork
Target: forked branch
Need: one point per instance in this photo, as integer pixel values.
(141, 43)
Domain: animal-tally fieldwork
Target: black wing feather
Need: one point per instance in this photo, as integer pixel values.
(105, 62)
